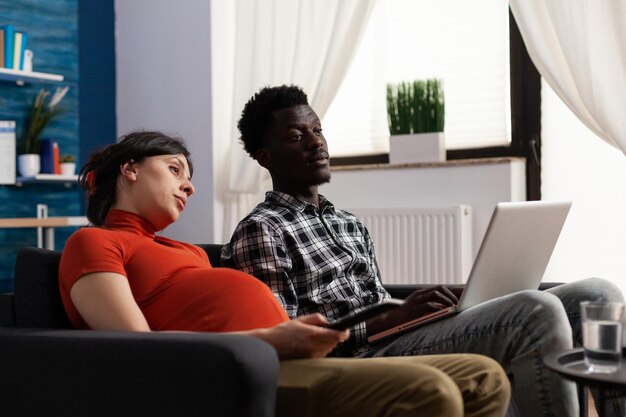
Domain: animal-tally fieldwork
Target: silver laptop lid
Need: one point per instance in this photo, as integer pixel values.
(515, 251)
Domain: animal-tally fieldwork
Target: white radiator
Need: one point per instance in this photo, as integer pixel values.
(423, 245)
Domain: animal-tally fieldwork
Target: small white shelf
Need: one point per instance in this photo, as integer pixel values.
(21, 77)
(67, 180)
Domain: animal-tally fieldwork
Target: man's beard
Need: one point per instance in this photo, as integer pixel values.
(323, 180)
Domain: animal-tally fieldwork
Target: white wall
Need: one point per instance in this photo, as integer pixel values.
(164, 83)
(480, 186)
(579, 166)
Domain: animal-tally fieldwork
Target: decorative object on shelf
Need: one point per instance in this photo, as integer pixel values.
(416, 113)
(28, 164)
(41, 112)
(28, 61)
(68, 164)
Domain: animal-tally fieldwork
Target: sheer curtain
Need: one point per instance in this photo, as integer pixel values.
(256, 43)
(578, 46)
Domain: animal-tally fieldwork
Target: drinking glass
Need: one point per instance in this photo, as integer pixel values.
(602, 335)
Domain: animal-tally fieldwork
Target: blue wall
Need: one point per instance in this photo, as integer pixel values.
(52, 29)
(96, 51)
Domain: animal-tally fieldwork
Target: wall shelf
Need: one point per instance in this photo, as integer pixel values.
(66, 180)
(21, 77)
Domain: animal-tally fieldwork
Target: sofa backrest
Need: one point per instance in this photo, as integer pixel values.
(214, 252)
(37, 301)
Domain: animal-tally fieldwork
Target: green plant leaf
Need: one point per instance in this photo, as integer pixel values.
(415, 107)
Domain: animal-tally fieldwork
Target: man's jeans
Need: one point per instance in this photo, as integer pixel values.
(517, 330)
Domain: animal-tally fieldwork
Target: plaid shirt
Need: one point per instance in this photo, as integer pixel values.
(313, 261)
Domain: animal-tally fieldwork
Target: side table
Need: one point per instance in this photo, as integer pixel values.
(571, 365)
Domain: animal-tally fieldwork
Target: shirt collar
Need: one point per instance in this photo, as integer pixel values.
(289, 201)
(130, 222)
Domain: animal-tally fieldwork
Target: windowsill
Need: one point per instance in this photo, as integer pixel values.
(442, 164)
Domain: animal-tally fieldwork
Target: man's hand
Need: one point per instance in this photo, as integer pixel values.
(418, 304)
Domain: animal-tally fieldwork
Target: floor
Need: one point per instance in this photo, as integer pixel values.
(592, 407)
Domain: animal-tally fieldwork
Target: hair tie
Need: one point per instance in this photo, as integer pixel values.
(90, 181)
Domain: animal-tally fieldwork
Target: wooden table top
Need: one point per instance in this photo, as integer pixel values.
(68, 221)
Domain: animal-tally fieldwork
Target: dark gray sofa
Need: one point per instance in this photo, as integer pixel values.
(47, 368)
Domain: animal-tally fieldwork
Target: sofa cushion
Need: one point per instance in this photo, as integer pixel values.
(214, 252)
(37, 299)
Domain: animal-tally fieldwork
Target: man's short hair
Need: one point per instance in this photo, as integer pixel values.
(257, 113)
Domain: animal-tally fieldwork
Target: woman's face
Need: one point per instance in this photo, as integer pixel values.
(161, 187)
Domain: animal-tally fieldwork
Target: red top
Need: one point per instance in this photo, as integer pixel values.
(173, 282)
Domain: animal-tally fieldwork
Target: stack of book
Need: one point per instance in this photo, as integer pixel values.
(12, 48)
(49, 157)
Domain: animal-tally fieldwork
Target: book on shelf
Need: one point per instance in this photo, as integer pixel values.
(56, 158)
(19, 46)
(1, 47)
(47, 155)
(9, 43)
(7, 152)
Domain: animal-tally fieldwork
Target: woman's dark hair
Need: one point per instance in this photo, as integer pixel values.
(99, 175)
(257, 113)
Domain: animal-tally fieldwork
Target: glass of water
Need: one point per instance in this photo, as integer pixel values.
(602, 335)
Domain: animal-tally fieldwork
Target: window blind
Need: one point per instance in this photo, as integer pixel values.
(466, 44)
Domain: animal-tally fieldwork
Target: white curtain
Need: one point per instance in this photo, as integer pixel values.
(579, 47)
(257, 43)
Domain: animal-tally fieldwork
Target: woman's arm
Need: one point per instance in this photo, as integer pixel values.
(105, 301)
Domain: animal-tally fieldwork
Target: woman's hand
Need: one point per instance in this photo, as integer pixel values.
(303, 337)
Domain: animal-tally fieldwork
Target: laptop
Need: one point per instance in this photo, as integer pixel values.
(513, 256)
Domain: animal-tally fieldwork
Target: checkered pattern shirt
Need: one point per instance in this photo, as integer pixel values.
(313, 260)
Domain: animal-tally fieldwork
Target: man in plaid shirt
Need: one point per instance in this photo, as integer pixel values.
(317, 258)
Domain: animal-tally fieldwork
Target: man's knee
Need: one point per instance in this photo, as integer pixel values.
(490, 377)
(440, 396)
(400, 387)
(543, 317)
(542, 305)
(483, 383)
(597, 289)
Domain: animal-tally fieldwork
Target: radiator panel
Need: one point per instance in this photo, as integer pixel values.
(424, 245)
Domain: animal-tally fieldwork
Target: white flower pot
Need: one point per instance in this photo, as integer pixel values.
(417, 147)
(68, 168)
(29, 164)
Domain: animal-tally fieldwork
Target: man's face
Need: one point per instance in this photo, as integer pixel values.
(295, 151)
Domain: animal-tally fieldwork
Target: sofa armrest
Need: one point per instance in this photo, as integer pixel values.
(97, 373)
(404, 290)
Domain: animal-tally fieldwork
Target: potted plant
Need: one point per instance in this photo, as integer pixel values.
(42, 111)
(416, 113)
(68, 164)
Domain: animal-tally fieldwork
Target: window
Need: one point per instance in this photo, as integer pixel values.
(464, 43)
(356, 122)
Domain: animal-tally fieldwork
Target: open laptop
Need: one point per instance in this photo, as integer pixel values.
(513, 256)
